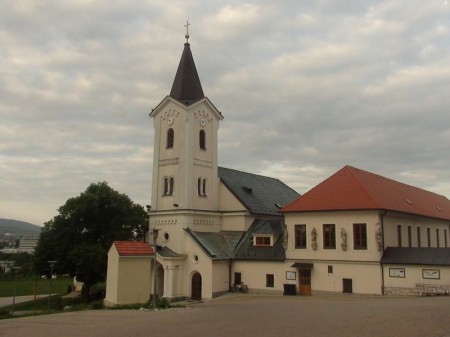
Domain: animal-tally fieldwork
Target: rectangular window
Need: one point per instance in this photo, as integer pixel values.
(330, 269)
(429, 237)
(262, 241)
(329, 236)
(418, 237)
(438, 244)
(300, 236)
(359, 236)
(445, 238)
(270, 282)
(409, 236)
(237, 278)
(399, 235)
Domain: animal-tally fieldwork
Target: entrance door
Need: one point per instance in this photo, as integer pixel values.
(305, 282)
(160, 281)
(196, 290)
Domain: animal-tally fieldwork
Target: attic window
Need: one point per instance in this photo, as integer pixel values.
(247, 189)
(263, 240)
(408, 201)
(439, 209)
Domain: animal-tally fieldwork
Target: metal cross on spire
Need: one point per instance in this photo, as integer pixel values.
(187, 31)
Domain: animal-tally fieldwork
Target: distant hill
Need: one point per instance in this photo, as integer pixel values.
(16, 227)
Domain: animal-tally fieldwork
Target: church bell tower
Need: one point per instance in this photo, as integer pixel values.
(185, 175)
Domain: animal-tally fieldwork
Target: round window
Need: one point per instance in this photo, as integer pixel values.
(166, 236)
(195, 258)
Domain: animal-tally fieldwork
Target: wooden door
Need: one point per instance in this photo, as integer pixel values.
(305, 282)
(196, 290)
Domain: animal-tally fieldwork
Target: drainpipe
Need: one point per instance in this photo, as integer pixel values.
(229, 274)
(382, 240)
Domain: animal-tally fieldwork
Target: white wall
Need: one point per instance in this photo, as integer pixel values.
(391, 220)
(253, 274)
(341, 220)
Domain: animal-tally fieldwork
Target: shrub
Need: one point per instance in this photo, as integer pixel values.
(163, 303)
(96, 305)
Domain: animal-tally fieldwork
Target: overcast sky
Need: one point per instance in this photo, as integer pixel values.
(306, 87)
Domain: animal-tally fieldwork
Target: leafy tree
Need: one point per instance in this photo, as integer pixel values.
(79, 237)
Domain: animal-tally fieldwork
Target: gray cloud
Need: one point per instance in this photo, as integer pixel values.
(305, 88)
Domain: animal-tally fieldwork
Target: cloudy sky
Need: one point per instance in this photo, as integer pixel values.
(305, 87)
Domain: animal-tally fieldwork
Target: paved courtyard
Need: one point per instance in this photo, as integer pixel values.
(252, 315)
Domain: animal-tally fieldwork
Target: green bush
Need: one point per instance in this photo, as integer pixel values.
(163, 303)
(97, 305)
(4, 314)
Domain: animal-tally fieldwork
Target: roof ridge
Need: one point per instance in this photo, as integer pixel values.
(397, 182)
(253, 174)
(360, 183)
(230, 252)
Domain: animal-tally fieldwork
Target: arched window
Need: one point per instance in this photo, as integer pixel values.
(170, 138)
(204, 187)
(201, 187)
(202, 139)
(168, 185)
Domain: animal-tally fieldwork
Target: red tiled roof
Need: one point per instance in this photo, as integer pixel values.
(133, 248)
(354, 189)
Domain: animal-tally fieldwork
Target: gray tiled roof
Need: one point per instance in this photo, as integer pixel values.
(246, 251)
(259, 194)
(167, 252)
(416, 256)
(218, 246)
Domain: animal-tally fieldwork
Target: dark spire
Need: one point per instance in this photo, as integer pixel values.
(186, 87)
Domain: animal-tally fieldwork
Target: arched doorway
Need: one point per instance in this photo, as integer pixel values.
(196, 289)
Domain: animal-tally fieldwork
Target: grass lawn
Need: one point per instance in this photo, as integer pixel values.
(30, 286)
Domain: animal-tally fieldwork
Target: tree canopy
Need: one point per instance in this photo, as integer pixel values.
(79, 237)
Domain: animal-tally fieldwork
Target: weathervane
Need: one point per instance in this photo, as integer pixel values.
(187, 31)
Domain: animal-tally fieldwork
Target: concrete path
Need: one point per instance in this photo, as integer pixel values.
(252, 315)
(4, 301)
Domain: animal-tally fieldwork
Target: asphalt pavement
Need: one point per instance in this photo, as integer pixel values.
(253, 315)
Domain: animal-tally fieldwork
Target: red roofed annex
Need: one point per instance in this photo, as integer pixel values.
(351, 188)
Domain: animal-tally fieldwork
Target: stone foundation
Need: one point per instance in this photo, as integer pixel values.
(421, 289)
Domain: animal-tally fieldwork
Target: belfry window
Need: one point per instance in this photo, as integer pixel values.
(202, 139)
(201, 186)
(168, 185)
(170, 138)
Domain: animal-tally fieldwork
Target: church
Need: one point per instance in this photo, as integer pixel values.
(218, 229)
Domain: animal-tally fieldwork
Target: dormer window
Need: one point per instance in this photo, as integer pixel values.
(170, 138)
(263, 240)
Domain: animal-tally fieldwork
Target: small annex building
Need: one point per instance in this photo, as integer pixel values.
(128, 275)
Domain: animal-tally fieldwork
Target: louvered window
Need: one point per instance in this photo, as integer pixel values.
(170, 138)
(202, 139)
